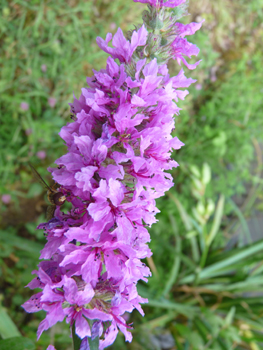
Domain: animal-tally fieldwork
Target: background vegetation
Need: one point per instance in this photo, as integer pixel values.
(207, 285)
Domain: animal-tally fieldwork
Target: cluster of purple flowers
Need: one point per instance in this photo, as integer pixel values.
(119, 146)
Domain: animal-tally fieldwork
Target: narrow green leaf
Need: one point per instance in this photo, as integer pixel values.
(184, 216)
(7, 327)
(176, 265)
(196, 172)
(160, 321)
(216, 269)
(248, 285)
(206, 174)
(21, 243)
(242, 220)
(17, 343)
(186, 310)
(230, 316)
(217, 220)
(195, 249)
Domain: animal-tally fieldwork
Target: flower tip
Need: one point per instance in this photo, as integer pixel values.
(52, 102)
(41, 154)
(6, 198)
(51, 347)
(198, 86)
(24, 106)
(43, 68)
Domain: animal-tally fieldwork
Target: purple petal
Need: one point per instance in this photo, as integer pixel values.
(116, 192)
(82, 327)
(84, 176)
(96, 330)
(151, 68)
(110, 336)
(94, 314)
(51, 347)
(91, 268)
(138, 38)
(98, 210)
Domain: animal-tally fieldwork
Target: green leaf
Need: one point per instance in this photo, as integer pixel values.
(17, 343)
(230, 316)
(7, 327)
(206, 174)
(242, 220)
(160, 321)
(21, 243)
(194, 169)
(217, 220)
(176, 265)
(186, 310)
(226, 265)
(184, 216)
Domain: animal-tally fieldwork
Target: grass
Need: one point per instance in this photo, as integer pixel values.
(201, 295)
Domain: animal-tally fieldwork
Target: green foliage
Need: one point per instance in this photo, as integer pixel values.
(7, 327)
(17, 343)
(223, 128)
(62, 37)
(205, 294)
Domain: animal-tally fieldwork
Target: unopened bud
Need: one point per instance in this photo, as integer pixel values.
(156, 23)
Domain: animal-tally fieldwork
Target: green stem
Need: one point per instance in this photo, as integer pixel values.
(76, 339)
(94, 344)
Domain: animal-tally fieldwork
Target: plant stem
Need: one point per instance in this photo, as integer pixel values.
(93, 343)
(76, 339)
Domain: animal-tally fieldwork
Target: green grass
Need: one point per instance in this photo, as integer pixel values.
(201, 294)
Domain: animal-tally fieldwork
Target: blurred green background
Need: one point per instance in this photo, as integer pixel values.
(207, 286)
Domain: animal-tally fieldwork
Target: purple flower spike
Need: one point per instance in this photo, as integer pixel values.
(6, 198)
(41, 154)
(162, 3)
(119, 147)
(51, 347)
(123, 48)
(52, 102)
(24, 106)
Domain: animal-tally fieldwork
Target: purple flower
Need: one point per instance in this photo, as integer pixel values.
(41, 154)
(181, 47)
(52, 102)
(6, 198)
(162, 3)
(43, 68)
(113, 26)
(28, 132)
(24, 106)
(123, 48)
(119, 148)
(213, 78)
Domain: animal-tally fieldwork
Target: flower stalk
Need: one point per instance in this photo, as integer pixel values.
(76, 339)
(119, 149)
